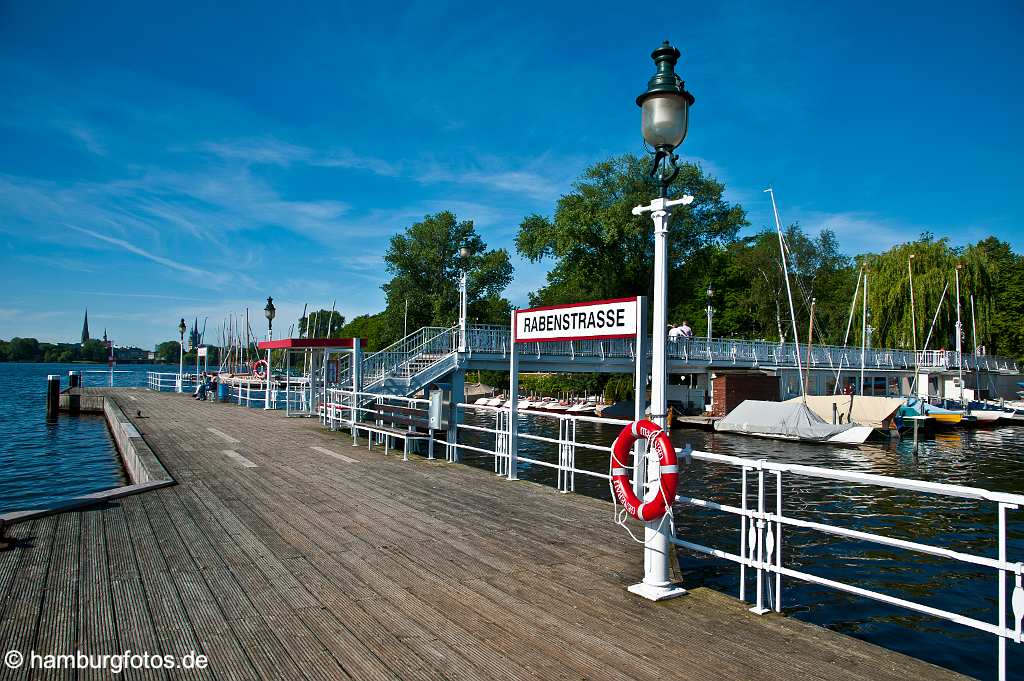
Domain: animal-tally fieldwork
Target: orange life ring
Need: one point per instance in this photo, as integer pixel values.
(261, 369)
(658, 501)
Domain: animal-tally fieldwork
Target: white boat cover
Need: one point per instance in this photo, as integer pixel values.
(867, 409)
(779, 419)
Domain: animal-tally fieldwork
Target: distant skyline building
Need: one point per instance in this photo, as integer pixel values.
(85, 328)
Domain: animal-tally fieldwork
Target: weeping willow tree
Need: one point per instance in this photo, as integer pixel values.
(934, 264)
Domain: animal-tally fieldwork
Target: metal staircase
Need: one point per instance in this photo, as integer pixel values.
(410, 364)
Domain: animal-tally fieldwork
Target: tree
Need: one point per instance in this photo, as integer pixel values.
(425, 265)
(370, 327)
(934, 265)
(168, 352)
(322, 324)
(94, 351)
(601, 250)
(24, 350)
(1002, 325)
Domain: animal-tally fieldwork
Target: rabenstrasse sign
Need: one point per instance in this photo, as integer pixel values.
(578, 321)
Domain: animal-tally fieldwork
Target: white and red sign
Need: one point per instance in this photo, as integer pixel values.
(578, 321)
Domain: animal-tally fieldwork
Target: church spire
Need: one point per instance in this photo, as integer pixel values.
(85, 328)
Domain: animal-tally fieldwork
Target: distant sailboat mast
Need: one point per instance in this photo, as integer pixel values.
(974, 343)
(789, 295)
(913, 310)
(846, 338)
(864, 331)
(928, 339)
(959, 335)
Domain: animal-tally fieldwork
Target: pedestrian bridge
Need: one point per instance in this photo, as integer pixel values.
(432, 353)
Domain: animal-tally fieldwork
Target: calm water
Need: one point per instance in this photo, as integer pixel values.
(43, 462)
(991, 459)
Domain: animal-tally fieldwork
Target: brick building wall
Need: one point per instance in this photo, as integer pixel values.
(729, 390)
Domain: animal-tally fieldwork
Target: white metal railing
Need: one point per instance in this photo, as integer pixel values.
(100, 377)
(360, 410)
(760, 540)
(169, 382)
(761, 523)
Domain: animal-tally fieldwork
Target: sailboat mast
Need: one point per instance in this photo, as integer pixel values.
(789, 294)
(864, 332)
(810, 342)
(974, 344)
(928, 338)
(846, 338)
(913, 310)
(959, 335)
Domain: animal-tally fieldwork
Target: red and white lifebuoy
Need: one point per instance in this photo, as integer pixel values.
(261, 369)
(657, 501)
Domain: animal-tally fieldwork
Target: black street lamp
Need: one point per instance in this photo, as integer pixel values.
(270, 311)
(666, 112)
(182, 326)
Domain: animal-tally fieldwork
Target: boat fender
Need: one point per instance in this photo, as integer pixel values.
(659, 499)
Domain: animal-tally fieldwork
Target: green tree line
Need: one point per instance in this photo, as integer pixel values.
(32, 350)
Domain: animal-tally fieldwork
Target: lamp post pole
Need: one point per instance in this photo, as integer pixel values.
(711, 312)
(463, 296)
(181, 354)
(269, 311)
(665, 110)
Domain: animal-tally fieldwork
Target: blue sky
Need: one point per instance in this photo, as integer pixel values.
(168, 160)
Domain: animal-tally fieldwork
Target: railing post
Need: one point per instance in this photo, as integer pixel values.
(760, 540)
(744, 550)
(778, 541)
(513, 418)
(561, 473)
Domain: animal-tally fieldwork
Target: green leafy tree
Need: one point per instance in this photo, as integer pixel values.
(94, 351)
(934, 265)
(1002, 324)
(24, 350)
(601, 250)
(168, 352)
(322, 324)
(370, 327)
(425, 265)
(751, 299)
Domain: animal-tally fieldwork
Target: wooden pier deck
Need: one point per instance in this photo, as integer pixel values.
(285, 553)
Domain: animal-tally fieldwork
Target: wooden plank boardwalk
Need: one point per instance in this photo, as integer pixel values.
(285, 553)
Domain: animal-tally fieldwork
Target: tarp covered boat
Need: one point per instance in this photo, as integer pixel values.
(789, 421)
(866, 410)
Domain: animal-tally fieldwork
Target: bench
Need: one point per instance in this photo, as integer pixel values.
(394, 421)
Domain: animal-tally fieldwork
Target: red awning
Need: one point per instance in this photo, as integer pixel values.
(310, 343)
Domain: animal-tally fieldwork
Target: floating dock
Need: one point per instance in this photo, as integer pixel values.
(283, 552)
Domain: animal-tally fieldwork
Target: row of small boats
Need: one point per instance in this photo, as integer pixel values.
(974, 413)
(579, 407)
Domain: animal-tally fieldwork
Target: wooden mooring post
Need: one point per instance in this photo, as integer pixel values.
(74, 398)
(52, 395)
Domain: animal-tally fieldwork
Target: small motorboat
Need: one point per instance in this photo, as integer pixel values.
(915, 406)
